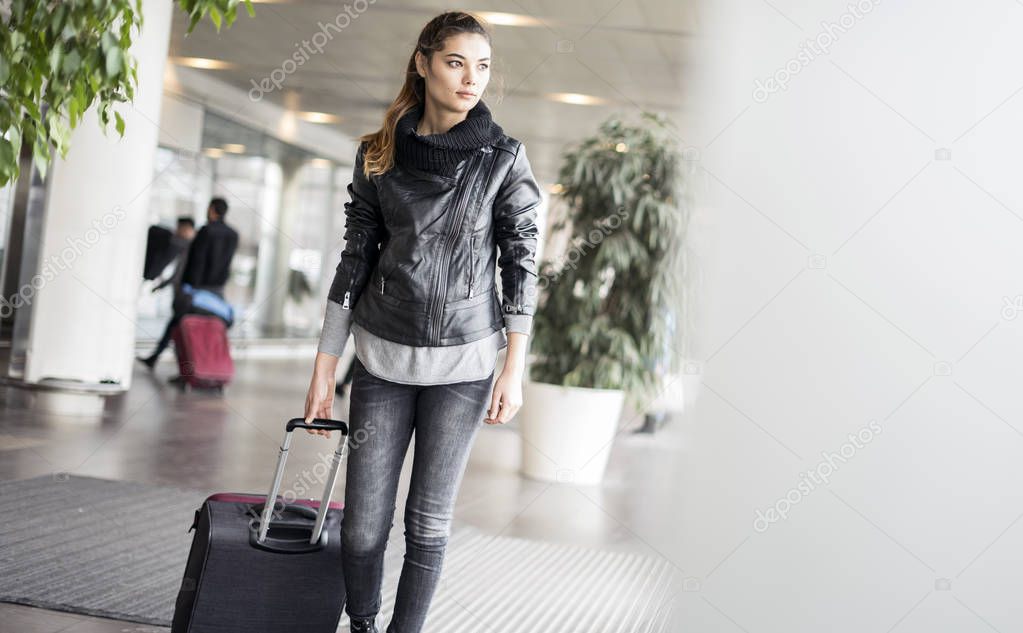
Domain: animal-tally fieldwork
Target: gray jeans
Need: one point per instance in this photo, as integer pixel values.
(383, 416)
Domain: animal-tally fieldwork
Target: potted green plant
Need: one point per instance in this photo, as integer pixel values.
(606, 328)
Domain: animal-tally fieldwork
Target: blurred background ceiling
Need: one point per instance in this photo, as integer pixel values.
(560, 67)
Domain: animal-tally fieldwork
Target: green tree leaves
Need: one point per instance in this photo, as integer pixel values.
(58, 58)
(221, 12)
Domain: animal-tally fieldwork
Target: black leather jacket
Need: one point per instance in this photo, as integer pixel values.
(418, 265)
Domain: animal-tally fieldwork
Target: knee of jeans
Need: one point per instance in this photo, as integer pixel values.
(363, 539)
(426, 529)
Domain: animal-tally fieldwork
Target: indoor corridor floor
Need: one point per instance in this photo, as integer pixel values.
(156, 434)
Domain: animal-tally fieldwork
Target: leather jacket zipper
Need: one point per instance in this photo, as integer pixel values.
(470, 182)
(383, 279)
(346, 303)
(472, 261)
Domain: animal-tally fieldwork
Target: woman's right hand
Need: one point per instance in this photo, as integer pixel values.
(319, 402)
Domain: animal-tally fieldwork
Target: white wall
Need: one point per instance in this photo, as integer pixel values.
(181, 122)
(857, 236)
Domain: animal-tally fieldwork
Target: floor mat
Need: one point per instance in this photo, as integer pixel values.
(62, 547)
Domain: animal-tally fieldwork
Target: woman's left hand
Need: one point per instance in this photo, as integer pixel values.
(506, 399)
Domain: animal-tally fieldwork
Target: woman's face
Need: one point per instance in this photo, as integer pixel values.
(457, 75)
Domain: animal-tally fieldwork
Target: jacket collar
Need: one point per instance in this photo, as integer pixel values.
(441, 153)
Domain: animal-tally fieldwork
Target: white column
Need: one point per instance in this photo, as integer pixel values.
(93, 240)
(266, 264)
(290, 205)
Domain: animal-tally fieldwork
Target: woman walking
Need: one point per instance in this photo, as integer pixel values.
(434, 194)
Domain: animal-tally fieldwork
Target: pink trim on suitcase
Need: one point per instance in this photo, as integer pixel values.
(241, 497)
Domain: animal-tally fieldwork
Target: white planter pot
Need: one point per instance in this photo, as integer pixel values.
(567, 432)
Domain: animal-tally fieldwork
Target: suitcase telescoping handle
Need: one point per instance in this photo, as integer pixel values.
(282, 458)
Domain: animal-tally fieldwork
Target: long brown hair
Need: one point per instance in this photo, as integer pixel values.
(379, 154)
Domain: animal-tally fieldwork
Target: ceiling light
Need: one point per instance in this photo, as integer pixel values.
(508, 19)
(234, 148)
(318, 117)
(203, 62)
(575, 98)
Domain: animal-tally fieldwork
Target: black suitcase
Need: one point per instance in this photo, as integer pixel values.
(262, 568)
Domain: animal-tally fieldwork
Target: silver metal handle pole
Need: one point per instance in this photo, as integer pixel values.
(271, 498)
(328, 489)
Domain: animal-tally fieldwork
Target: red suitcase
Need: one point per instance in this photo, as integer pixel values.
(203, 351)
(266, 568)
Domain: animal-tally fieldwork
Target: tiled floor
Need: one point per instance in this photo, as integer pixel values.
(156, 434)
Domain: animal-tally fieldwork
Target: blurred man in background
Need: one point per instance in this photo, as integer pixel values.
(206, 266)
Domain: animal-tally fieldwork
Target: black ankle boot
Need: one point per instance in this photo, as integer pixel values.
(363, 626)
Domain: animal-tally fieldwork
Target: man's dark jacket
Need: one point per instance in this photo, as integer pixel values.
(209, 256)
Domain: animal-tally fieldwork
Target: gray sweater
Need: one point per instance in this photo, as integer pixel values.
(414, 365)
